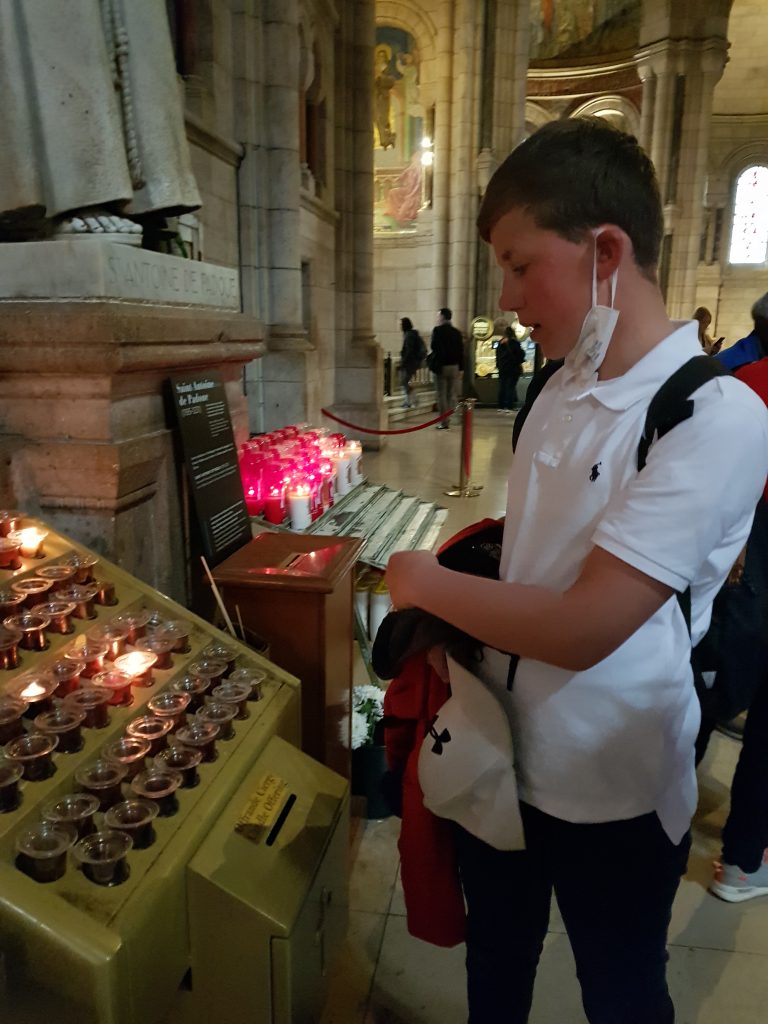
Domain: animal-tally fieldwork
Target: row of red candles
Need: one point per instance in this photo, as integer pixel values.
(297, 472)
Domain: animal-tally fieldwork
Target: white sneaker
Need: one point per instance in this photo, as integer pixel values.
(734, 885)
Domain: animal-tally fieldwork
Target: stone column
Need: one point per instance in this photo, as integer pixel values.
(359, 383)
(290, 369)
(441, 175)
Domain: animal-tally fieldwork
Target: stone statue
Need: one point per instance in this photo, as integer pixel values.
(92, 130)
(383, 83)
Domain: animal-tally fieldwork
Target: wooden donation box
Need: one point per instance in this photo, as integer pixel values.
(297, 591)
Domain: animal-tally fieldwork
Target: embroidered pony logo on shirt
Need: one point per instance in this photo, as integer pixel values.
(595, 472)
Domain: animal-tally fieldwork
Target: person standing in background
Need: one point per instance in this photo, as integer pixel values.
(446, 362)
(755, 345)
(411, 357)
(510, 356)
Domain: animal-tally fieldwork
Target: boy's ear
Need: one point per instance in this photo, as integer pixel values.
(611, 246)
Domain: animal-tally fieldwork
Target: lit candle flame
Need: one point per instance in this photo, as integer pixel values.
(32, 691)
(136, 663)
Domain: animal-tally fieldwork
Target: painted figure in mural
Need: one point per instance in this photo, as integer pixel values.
(92, 133)
(403, 200)
(383, 84)
(408, 67)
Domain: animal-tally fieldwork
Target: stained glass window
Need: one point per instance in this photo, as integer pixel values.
(749, 230)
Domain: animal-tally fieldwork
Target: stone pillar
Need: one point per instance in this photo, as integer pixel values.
(441, 175)
(90, 332)
(648, 78)
(290, 371)
(359, 383)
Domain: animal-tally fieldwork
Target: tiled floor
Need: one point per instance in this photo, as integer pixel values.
(718, 952)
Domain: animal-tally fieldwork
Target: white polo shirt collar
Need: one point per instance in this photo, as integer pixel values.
(642, 380)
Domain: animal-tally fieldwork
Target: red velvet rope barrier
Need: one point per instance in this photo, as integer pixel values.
(405, 430)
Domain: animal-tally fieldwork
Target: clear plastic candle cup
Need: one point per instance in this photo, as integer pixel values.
(94, 701)
(67, 674)
(83, 565)
(218, 651)
(159, 645)
(92, 652)
(11, 718)
(59, 613)
(254, 677)
(200, 735)
(32, 628)
(138, 665)
(176, 630)
(82, 596)
(112, 634)
(32, 541)
(220, 714)
(73, 809)
(130, 752)
(105, 592)
(171, 705)
(104, 780)
(196, 687)
(103, 857)
(136, 621)
(10, 553)
(118, 684)
(10, 641)
(154, 730)
(33, 753)
(183, 760)
(34, 590)
(59, 575)
(135, 818)
(66, 725)
(159, 785)
(36, 689)
(236, 693)
(41, 851)
(10, 522)
(212, 669)
(11, 603)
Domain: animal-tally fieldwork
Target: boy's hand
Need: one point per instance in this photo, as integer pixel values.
(407, 574)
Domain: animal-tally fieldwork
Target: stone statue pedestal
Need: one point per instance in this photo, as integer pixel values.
(89, 333)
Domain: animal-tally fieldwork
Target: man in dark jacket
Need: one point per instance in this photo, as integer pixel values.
(446, 362)
(510, 356)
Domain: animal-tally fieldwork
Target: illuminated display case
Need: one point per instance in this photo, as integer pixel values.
(99, 931)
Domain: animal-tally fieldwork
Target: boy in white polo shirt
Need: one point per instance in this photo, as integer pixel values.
(601, 705)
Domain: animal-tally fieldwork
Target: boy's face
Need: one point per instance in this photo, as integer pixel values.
(547, 280)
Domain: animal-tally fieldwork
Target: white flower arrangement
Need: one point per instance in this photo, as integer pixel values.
(367, 711)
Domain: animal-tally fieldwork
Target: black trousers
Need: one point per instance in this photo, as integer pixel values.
(745, 835)
(614, 882)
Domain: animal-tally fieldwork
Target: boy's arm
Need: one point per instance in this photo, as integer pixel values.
(573, 630)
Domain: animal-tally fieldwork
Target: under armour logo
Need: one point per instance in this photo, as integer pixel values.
(439, 737)
(595, 472)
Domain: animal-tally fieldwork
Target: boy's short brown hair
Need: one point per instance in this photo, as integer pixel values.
(574, 174)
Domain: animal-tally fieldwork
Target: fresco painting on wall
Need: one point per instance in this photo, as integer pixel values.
(573, 28)
(398, 127)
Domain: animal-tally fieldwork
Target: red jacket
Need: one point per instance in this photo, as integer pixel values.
(428, 868)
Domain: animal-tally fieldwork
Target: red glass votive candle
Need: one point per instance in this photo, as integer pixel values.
(236, 694)
(11, 603)
(159, 645)
(10, 522)
(171, 705)
(135, 818)
(41, 851)
(200, 736)
(32, 628)
(159, 785)
(10, 794)
(105, 592)
(118, 685)
(59, 575)
(65, 724)
(138, 665)
(34, 590)
(9, 553)
(31, 540)
(66, 672)
(183, 760)
(274, 510)
(91, 652)
(220, 652)
(103, 857)
(128, 751)
(176, 630)
(36, 689)
(213, 670)
(104, 780)
(154, 730)
(33, 753)
(93, 700)
(220, 714)
(75, 810)
(10, 639)
(195, 686)
(254, 677)
(11, 718)
(82, 596)
(113, 635)
(59, 613)
(83, 565)
(136, 622)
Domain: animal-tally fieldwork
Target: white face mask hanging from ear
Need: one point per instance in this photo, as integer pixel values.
(587, 355)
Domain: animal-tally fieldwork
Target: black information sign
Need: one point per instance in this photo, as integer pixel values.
(212, 465)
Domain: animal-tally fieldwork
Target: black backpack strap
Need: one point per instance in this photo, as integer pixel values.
(538, 381)
(672, 404)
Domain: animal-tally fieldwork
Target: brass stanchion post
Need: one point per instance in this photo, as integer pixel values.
(464, 488)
